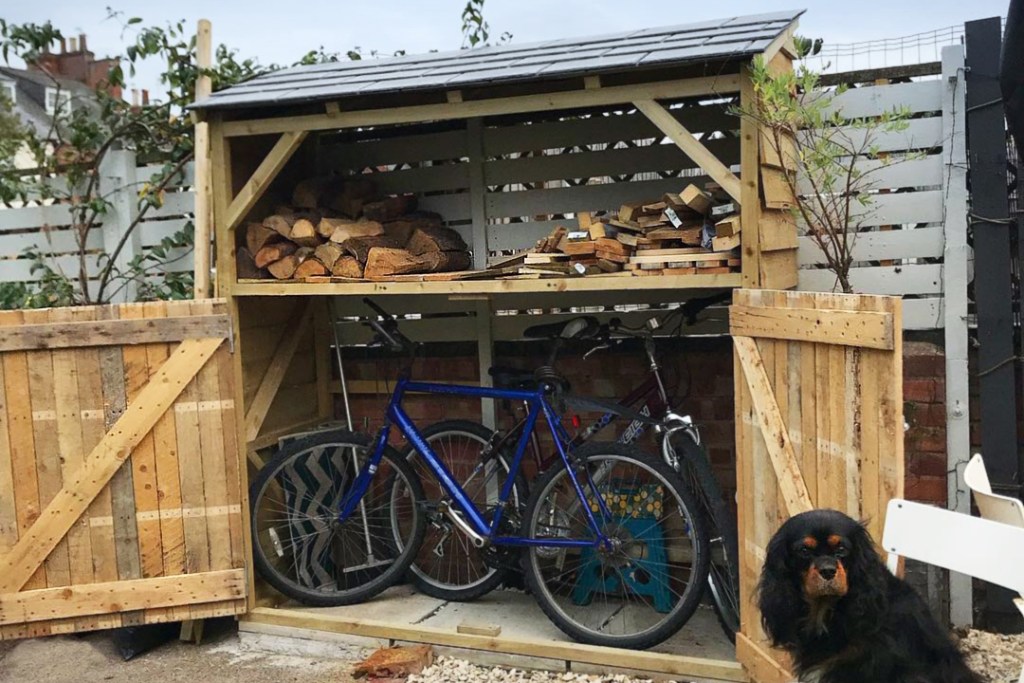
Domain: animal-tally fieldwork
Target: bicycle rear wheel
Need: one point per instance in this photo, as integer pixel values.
(643, 588)
(299, 545)
(724, 570)
(448, 566)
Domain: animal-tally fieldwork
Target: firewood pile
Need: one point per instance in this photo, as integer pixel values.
(344, 228)
(694, 231)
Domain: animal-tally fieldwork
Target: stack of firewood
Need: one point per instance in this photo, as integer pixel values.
(694, 231)
(345, 228)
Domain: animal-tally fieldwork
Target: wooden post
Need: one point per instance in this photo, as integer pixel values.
(204, 218)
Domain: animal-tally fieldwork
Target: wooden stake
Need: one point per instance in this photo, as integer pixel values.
(203, 168)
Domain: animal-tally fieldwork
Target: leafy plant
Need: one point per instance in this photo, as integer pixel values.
(476, 32)
(830, 160)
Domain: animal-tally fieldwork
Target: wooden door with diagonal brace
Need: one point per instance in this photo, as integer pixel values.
(120, 496)
(819, 424)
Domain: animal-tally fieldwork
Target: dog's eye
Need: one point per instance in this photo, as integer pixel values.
(804, 551)
(841, 551)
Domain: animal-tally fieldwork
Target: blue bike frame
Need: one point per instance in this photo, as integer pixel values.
(538, 405)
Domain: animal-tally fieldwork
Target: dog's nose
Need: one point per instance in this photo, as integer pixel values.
(827, 573)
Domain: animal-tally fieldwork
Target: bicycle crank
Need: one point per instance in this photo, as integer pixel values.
(456, 518)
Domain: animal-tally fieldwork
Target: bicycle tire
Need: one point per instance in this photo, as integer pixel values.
(723, 581)
(284, 486)
(628, 556)
(433, 580)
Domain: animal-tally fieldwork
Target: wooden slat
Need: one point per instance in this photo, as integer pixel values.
(750, 202)
(263, 176)
(81, 488)
(408, 148)
(691, 146)
(115, 596)
(899, 208)
(908, 279)
(915, 97)
(259, 406)
(508, 105)
(62, 335)
(760, 665)
(776, 437)
(892, 173)
(877, 246)
(847, 328)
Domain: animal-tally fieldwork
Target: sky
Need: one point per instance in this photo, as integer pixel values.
(280, 32)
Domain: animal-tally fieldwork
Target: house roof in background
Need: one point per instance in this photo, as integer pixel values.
(707, 41)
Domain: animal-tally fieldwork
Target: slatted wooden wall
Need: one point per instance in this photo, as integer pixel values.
(819, 423)
(120, 495)
(529, 173)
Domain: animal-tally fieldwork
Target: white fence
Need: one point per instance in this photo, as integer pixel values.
(44, 225)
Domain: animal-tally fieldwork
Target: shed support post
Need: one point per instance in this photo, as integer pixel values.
(477, 192)
(958, 438)
(118, 168)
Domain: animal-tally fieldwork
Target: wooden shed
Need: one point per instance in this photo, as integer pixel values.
(503, 143)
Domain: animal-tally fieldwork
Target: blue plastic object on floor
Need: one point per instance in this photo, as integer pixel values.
(647, 576)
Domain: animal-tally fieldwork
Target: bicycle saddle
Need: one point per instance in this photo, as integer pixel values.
(574, 328)
(512, 378)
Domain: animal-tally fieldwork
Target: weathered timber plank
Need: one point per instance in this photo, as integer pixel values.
(120, 332)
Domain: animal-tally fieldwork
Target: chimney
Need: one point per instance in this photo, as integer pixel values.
(63, 45)
(135, 97)
(81, 42)
(74, 44)
(145, 97)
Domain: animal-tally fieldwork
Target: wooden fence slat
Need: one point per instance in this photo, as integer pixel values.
(908, 279)
(62, 335)
(877, 246)
(915, 97)
(849, 328)
(776, 437)
(102, 598)
(81, 488)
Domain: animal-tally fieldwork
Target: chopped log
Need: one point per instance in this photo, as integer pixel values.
(245, 265)
(258, 236)
(390, 208)
(312, 193)
(429, 239)
(384, 261)
(444, 261)
(349, 196)
(697, 199)
(403, 228)
(612, 246)
(327, 225)
(274, 252)
(328, 253)
(347, 266)
(311, 267)
(284, 268)
(360, 246)
(304, 234)
(361, 228)
(280, 223)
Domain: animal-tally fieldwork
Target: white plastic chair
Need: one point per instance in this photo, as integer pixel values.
(990, 547)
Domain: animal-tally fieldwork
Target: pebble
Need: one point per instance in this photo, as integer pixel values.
(446, 669)
(998, 658)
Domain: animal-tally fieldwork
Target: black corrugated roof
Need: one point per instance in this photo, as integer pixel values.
(705, 41)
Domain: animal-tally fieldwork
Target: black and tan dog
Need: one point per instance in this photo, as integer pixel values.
(827, 598)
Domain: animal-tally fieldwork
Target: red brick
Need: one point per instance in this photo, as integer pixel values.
(929, 415)
(927, 464)
(924, 366)
(921, 390)
(926, 489)
(926, 440)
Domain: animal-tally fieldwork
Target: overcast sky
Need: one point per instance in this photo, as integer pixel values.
(280, 32)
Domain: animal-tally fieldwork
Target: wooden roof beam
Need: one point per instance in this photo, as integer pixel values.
(500, 106)
(785, 41)
(261, 178)
(695, 149)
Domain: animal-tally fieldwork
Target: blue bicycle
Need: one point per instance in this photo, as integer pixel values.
(609, 541)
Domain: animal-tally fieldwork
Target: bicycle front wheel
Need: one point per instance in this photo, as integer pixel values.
(642, 588)
(299, 545)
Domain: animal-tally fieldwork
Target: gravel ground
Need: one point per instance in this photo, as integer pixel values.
(221, 659)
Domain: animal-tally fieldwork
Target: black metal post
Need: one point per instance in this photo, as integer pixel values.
(986, 135)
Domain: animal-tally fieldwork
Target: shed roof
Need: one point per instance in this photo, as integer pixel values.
(706, 41)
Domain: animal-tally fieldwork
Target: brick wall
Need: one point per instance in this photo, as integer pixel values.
(699, 370)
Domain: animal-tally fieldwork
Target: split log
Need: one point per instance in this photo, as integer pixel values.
(281, 223)
(347, 266)
(285, 268)
(312, 192)
(384, 262)
(360, 246)
(245, 265)
(403, 228)
(304, 233)
(353, 193)
(361, 228)
(328, 253)
(258, 236)
(429, 239)
(390, 208)
(311, 267)
(274, 252)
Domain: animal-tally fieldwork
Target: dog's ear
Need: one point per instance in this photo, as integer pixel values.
(867, 576)
(778, 595)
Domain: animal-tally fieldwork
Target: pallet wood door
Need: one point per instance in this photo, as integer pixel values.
(120, 497)
(819, 424)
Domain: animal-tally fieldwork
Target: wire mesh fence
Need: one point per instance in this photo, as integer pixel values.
(918, 48)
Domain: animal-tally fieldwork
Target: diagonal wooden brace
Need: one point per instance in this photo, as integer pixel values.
(261, 178)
